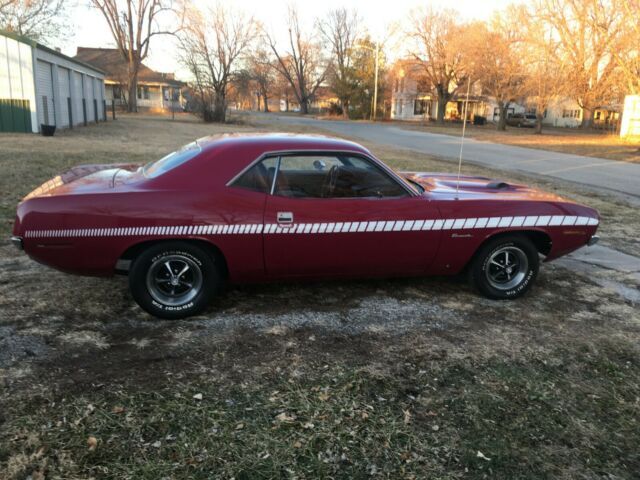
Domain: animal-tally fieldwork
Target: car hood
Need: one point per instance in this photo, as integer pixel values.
(443, 186)
(88, 179)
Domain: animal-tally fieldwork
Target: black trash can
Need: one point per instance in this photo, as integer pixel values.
(479, 120)
(47, 130)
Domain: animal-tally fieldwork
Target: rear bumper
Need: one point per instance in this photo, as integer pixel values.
(17, 242)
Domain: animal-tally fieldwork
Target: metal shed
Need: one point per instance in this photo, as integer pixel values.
(41, 86)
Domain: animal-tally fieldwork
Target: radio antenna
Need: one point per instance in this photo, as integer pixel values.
(464, 127)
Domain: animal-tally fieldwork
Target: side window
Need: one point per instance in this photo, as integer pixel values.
(259, 177)
(325, 176)
(304, 176)
(359, 177)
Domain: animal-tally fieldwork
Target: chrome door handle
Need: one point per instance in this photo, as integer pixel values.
(285, 217)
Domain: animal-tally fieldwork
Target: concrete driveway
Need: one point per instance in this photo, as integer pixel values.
(621, 178)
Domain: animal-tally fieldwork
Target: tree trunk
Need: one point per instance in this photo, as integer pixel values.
(502, 121)
(219, 108)
(587, 117)
(538, 129)
(304, 105)
(345, 109)
(265, 100)
(132, 105)
(443, 98)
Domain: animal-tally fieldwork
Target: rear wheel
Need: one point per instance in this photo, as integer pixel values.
(174, 280)
(505, 267)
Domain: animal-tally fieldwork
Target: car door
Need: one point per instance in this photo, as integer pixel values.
(341, 214)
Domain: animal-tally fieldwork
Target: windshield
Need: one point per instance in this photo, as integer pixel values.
(171, 161)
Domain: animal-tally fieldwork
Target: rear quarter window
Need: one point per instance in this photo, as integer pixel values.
(171, 161)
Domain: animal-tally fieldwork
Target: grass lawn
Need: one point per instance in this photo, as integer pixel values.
(405, 378)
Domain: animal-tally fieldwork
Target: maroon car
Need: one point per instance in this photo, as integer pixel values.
(245, 208)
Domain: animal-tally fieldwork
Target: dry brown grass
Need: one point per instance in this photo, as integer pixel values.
(564, 140)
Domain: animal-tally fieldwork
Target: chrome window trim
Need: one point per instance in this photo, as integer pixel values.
(281, 153)
(275, 175)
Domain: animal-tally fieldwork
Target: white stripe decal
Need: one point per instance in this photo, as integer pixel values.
(323, 228)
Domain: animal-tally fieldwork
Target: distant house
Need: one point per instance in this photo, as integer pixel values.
(157, 91)
(41, 86)
(412, 99)
(566, 112)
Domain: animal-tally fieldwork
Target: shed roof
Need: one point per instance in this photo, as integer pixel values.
(40, 46)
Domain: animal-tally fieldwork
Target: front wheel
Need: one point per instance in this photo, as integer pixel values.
(174, 280)
(505, 267)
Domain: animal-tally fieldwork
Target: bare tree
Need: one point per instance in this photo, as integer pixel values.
(340, 29)
(133, 23)
(589, 31)
(261, 71)
(212, 42)
(496, 61)
(302, 64)
(439, 48)
(37, 19)
(627, 51)
(545, 75)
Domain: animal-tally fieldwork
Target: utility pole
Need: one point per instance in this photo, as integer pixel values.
(375, 84)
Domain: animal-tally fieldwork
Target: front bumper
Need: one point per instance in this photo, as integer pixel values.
(17, 242)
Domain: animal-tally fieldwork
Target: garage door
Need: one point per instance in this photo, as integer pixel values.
(44, 90)
(88, 95)
(78, 118)
(65, 96)
(100, 99)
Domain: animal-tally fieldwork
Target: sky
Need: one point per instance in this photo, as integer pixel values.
(90, 29)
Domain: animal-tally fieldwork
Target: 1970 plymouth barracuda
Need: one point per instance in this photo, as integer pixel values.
(244, 208)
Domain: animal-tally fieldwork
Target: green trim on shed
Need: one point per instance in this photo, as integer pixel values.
(15, 115)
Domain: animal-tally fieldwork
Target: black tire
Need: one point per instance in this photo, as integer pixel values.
(169, 295)
(490, 271)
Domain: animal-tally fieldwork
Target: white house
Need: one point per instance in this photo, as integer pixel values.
(412, 99)
(41, 86)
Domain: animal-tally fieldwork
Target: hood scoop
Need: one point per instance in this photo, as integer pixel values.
(498, 185)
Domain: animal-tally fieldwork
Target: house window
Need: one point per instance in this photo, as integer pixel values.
(422, 106)
(143, 92)
(570, 113)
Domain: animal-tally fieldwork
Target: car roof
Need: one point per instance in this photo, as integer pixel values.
(278, 142)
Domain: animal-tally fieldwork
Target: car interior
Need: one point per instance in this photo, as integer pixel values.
(321, 177)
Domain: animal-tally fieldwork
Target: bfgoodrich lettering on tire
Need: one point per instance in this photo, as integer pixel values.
(174, 280)
(505, 267)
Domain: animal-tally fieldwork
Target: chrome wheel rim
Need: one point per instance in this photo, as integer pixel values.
(506, 268)
(174, 280)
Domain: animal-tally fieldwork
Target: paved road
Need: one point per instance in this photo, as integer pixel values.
(622, 178)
